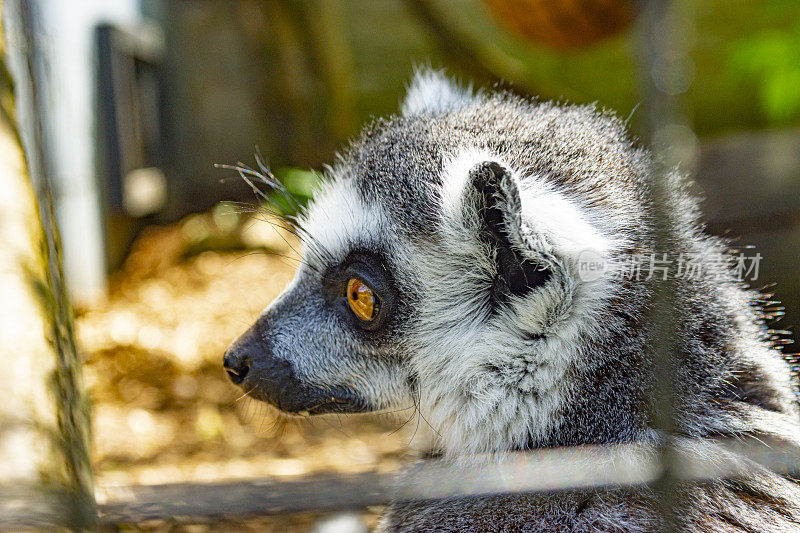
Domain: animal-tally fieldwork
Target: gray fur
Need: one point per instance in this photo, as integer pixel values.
(567, 363)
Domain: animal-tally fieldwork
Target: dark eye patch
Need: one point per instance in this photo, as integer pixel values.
(371, 269)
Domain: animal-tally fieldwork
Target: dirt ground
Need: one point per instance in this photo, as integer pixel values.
(163, 409)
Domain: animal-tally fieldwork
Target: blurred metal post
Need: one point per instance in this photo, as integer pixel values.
(664, 76)
(71, 467)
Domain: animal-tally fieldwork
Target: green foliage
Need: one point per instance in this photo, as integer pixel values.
(300, 185)
(771, 60)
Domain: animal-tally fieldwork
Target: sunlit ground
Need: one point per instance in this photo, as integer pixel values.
(164, 410)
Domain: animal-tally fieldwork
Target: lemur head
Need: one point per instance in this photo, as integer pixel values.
(441, 269)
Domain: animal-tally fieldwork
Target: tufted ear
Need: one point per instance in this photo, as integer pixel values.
(431, 91)
(496, 199)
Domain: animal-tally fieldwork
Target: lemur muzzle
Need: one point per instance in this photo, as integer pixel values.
(251, 365)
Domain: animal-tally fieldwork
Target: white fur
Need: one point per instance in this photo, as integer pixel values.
(432, 92)
(338, 218)
(484, 387)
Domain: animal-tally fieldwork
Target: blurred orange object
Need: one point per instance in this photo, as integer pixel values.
(564, 23)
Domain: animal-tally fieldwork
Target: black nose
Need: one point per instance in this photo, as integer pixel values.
(239, 357)
(237, 365)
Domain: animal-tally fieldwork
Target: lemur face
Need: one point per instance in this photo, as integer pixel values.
(439, 272)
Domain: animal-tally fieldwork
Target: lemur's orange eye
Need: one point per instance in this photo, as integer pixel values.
(362, 301)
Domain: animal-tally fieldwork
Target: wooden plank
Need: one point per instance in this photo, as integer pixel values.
(544, 470)
(188, 502)
(536, 471)
(27, 507)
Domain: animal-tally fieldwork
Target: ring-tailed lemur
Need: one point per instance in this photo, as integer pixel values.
(441, 270)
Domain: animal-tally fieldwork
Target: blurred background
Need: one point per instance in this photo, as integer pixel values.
(139, 99)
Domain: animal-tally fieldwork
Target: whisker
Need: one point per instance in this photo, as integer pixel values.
(261, 164)
(403, 424)
(244, 395)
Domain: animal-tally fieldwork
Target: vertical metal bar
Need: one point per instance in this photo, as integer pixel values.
(71, 402)
(664, 76)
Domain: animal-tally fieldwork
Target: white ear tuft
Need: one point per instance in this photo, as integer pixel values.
(431, 91)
